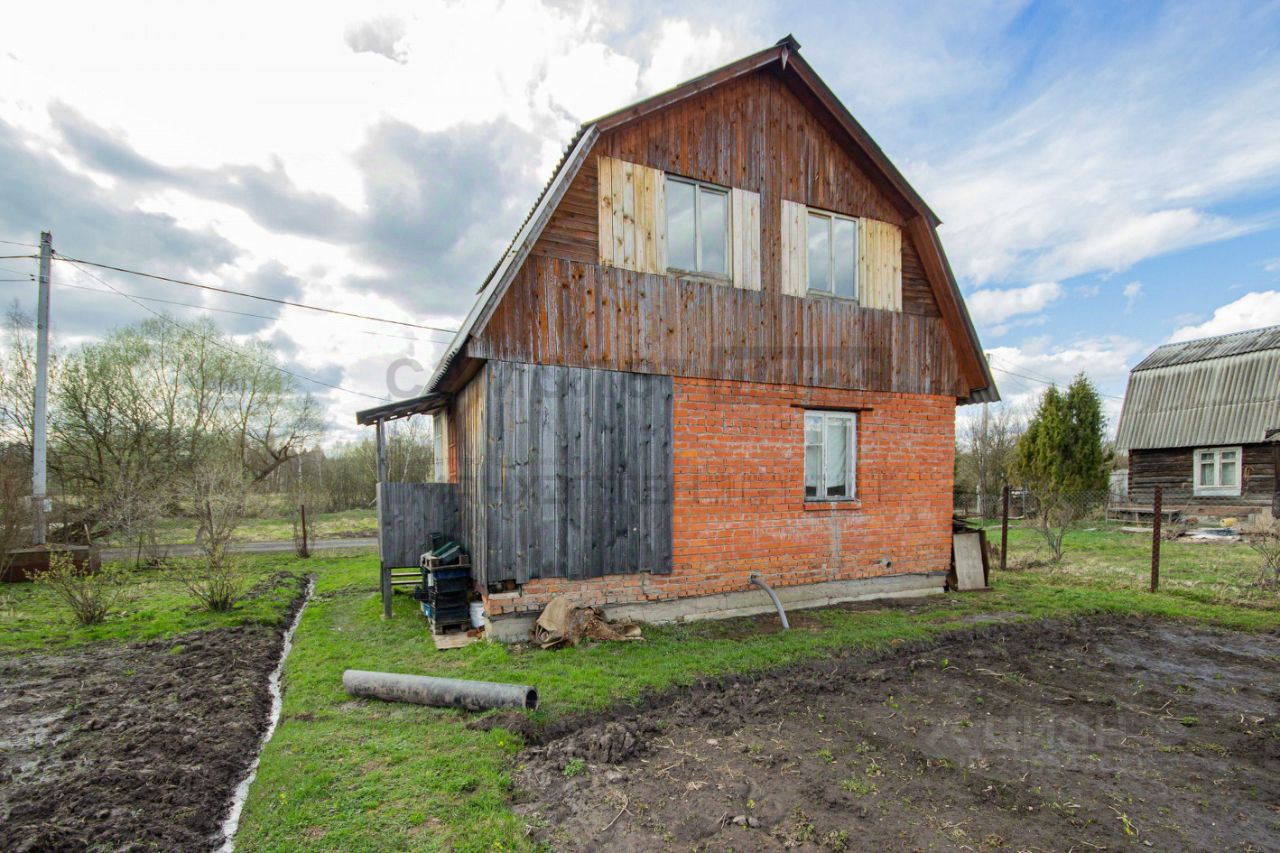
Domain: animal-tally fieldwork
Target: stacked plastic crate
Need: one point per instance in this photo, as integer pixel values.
(445, 591)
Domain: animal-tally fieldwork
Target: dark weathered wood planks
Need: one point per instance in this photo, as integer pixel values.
(574, 479)
(584, 315)
(408, 513)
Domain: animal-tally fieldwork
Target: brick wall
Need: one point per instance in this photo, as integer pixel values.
(738, 467)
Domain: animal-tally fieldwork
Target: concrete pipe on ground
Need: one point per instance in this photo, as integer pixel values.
(441, 692)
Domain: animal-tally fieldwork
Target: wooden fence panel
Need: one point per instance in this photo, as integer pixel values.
(408, 513)
(579, 472)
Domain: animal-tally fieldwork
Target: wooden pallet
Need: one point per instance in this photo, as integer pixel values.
(454, 640)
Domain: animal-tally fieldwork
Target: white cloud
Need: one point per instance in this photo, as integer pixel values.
(1117, 160)
(1023, 372)
(305, 139)
(1251, 311)
(991, 307)
(1272, 265)
(1132, 292)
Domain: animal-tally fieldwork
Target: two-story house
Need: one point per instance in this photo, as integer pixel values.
(725, 341)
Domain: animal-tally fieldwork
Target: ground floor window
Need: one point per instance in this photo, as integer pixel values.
(1217, 471)
(830, 455)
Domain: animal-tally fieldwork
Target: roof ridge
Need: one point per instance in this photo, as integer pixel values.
(1222, 336)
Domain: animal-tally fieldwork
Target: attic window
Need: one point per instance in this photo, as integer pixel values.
(1217, 471)
(697, 227)
(833, 254)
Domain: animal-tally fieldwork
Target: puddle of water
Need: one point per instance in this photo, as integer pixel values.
(232, 822)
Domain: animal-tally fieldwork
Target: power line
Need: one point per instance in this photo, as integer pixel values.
(1042, 381)
(222, 345)
(210, 308)
(255, 296)
(17, 279)
(13, 257)
(16, 243)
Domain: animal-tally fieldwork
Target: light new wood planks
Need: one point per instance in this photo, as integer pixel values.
(632, 216)
(745, 223)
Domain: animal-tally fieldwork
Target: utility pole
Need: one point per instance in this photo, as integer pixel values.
(39, 524)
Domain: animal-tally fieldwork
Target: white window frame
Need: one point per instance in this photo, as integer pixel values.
(826, 417)
(1215, 454)
(440, 446)
(698, 187)
(831, 253)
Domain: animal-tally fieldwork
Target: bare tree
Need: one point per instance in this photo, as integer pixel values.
(218, 490)
(1263, 535)
(15, 505)
(990, 440)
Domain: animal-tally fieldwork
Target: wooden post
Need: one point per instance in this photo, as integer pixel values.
(384, 570)
(1004, 532)
(305, 551)
(1156, 513)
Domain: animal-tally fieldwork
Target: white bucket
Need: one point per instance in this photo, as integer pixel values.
(477, 614)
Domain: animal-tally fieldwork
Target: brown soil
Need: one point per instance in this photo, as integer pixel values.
(1041, 736)
(131, 747)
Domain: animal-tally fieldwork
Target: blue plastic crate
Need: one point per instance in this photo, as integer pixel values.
(451, 573)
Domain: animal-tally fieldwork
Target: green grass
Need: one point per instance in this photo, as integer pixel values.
(1209, 572)
(156, 604)
(349, 524)
(347, 774)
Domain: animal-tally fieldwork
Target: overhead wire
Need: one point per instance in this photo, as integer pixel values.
(247, 295)
(211, 308)
(222, 345)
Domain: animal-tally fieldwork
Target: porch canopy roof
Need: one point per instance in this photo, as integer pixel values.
(425, 404)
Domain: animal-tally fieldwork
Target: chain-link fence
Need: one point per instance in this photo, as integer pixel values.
(1214, 553)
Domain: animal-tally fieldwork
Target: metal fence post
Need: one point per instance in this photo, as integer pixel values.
(1004, 531)
(1156, 514)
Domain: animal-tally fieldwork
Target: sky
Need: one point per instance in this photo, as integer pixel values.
(1108, 174)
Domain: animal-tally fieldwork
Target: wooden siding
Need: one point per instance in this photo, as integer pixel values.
(879, 265)
(569, 471)
(573, 231)
(472, 441)
(753, 133)
(632, 215)
(583, 315)
(917, 295)
(1172, 469)
(408, 513)
(744, 217)
(794, 253)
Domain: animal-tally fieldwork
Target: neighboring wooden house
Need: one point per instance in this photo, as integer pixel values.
(725, 341)
(1199, 420)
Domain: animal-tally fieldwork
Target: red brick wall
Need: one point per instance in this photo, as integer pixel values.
(739, 507)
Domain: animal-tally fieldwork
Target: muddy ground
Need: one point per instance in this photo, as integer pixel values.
(1081, 736)
(131, 746)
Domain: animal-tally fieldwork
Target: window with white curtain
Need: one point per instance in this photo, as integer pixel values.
(1217, 471)
(830, 456)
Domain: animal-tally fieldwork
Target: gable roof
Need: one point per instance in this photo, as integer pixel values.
(1221, 346)
(921, 224)
(1207, 392)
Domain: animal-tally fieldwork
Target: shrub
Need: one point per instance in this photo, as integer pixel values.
(89, 595)
(219, 584)
(1263, 535)
(219, 491)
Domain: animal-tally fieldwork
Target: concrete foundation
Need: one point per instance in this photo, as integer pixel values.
(750, 602)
